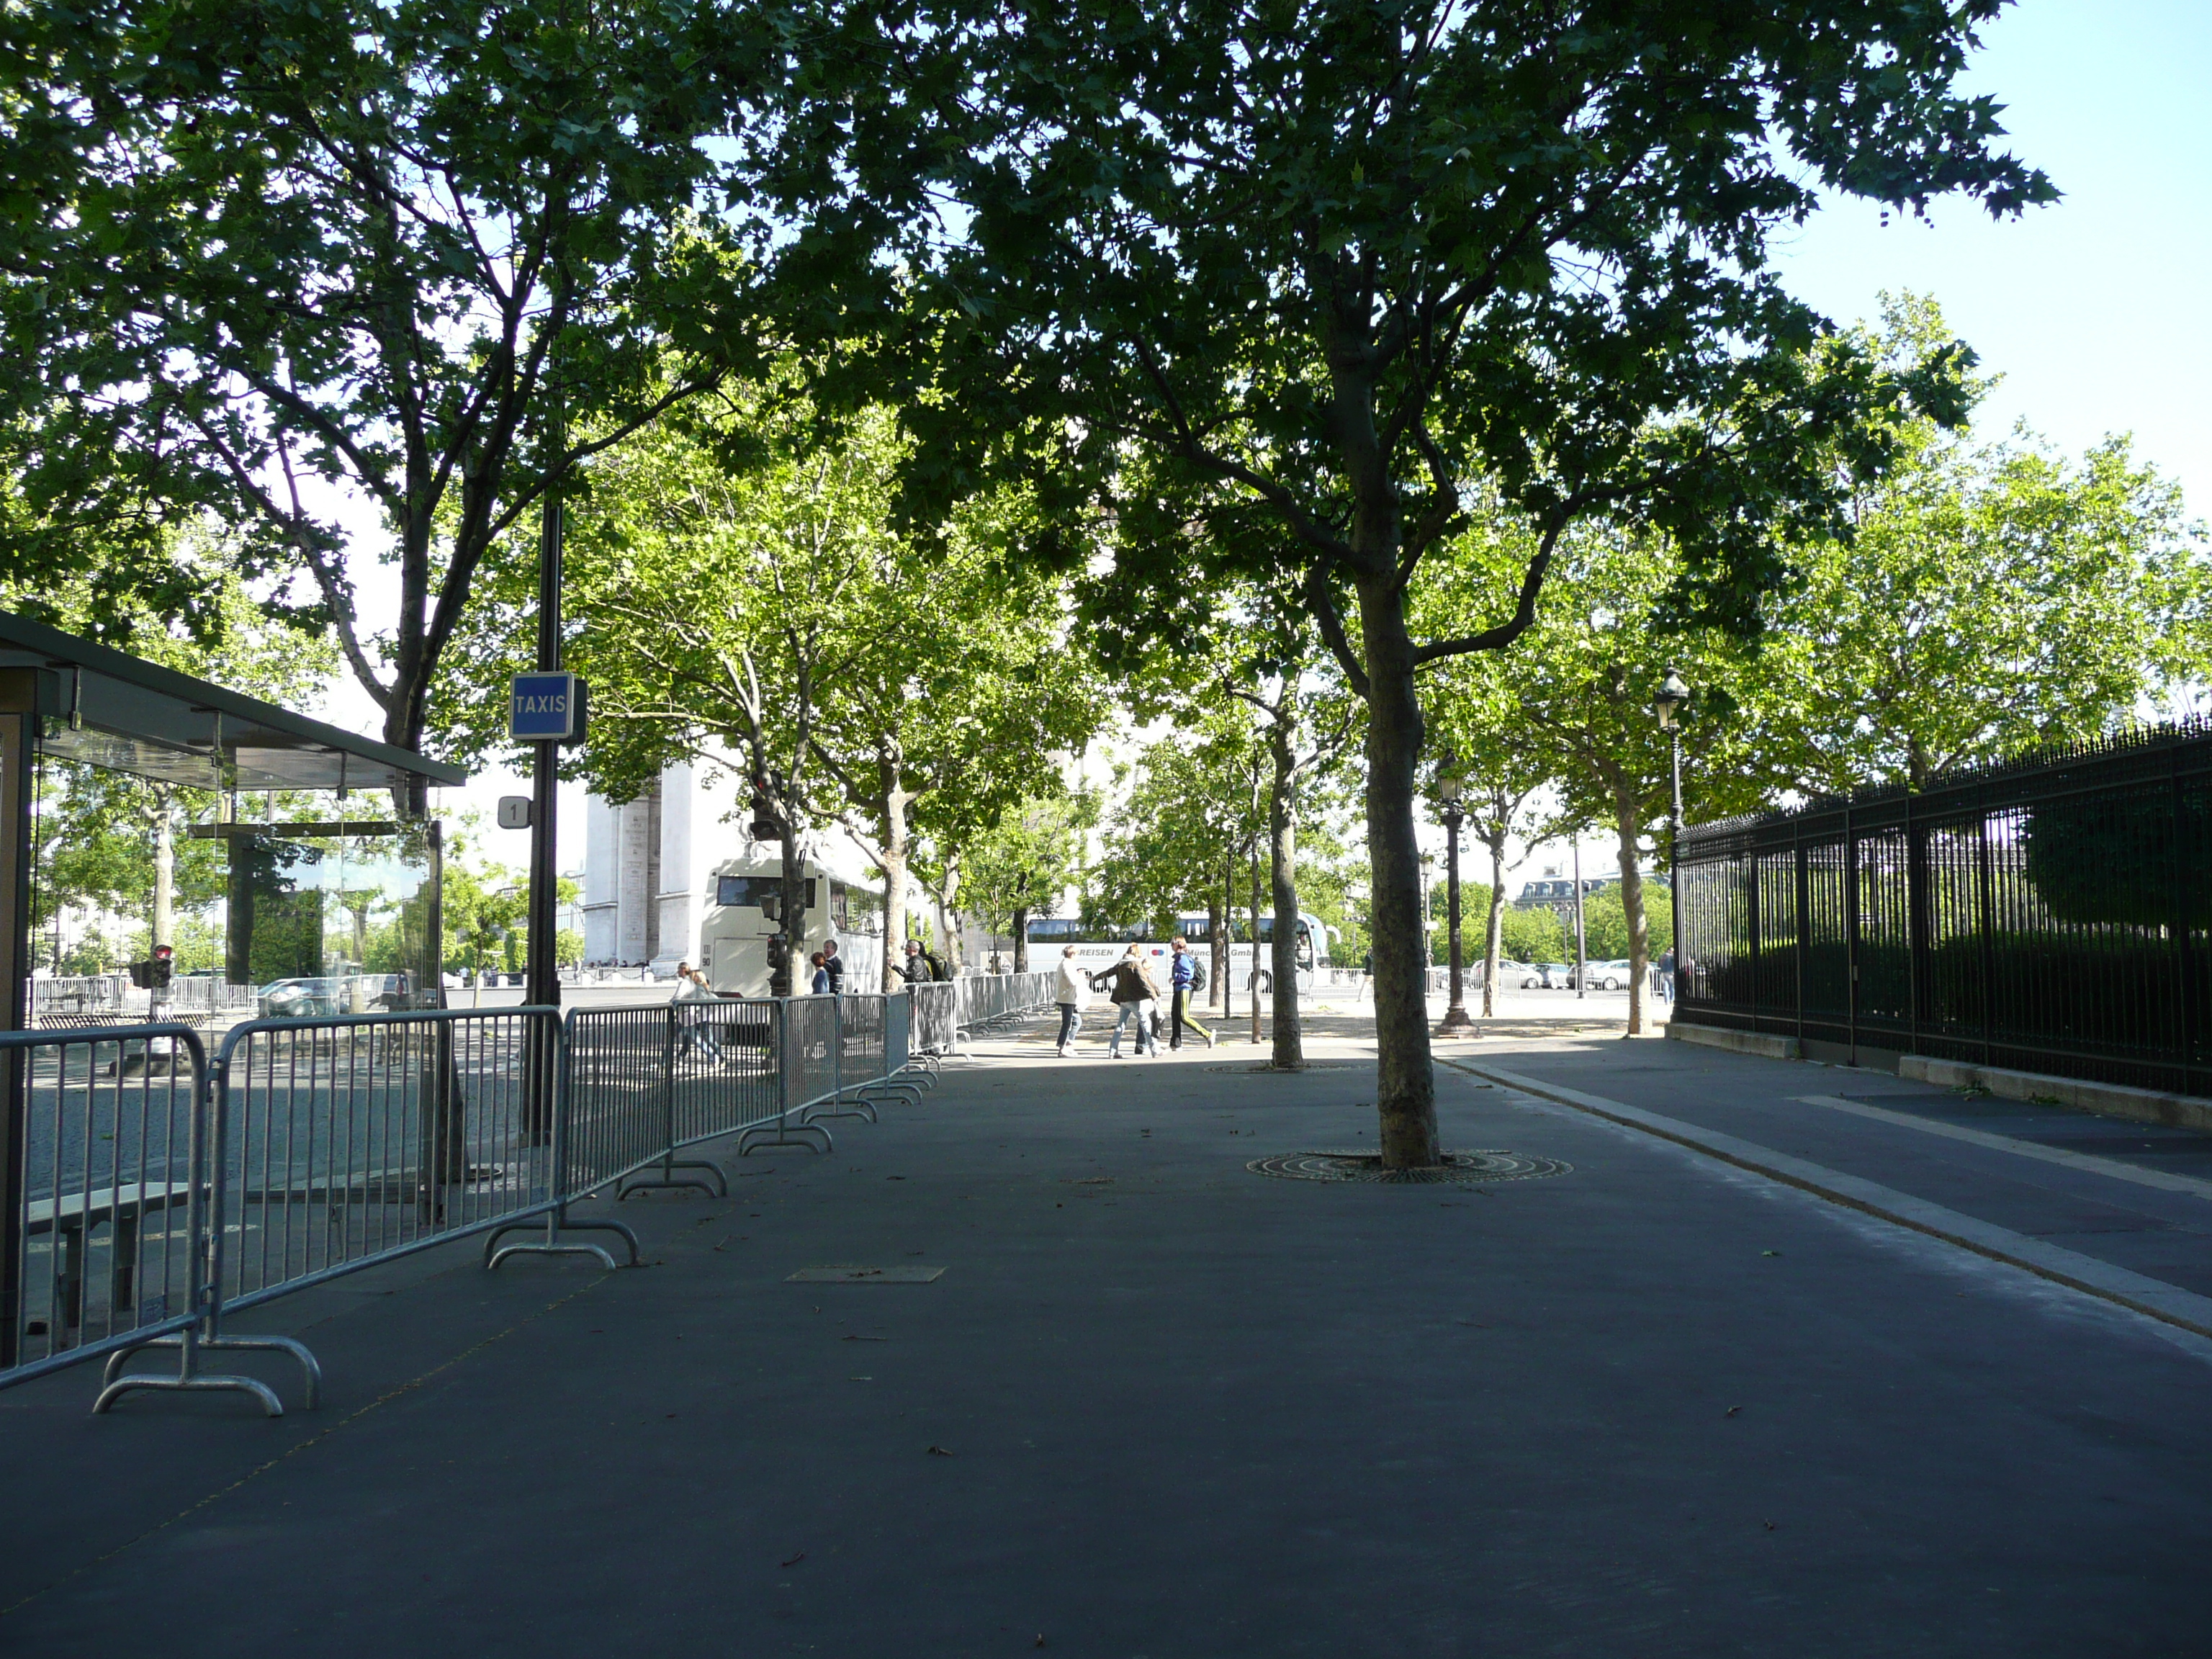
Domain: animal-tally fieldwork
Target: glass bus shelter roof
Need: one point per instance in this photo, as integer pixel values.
(110, 710)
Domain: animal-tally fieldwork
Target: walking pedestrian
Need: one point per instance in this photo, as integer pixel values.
(915, 968)
(692, 1030)
(1183, 982)
(822, 982)
(835, 965)
(1070, 990)
(1666, 974)
(1135, 993)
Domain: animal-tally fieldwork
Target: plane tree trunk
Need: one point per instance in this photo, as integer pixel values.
(1493, 933)
(1283, 869)
(1406, 1095)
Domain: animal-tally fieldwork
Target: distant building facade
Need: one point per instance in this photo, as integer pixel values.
(650, 865)
(1556, 893)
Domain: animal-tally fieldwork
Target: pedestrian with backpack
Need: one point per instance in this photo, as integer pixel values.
(1183, 982)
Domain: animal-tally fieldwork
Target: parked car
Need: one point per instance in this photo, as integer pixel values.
(1518, 975)
(1557, 975)
(1605, 975)
(377, 993)
(300, 998)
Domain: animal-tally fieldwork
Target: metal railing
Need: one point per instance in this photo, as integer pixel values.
(158, 1190)
(991, 1000)
(361, 1137)
(79, 993)
(104, 1202)
(936, 1008)
(2049, 914)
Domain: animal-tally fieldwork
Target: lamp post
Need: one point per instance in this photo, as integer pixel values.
(1581, 950)
(1666, 703)
(1450, 789)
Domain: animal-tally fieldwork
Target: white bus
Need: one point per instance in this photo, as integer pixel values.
(1098, 945)
(741, 918)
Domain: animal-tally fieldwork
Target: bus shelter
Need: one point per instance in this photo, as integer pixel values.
(266, 846)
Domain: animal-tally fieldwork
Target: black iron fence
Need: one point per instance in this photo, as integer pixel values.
(2047, 914)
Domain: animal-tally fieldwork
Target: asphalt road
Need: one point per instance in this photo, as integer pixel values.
(1157, 1405)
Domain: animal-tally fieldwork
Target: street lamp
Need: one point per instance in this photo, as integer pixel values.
(1449, 789)
(1666, 703)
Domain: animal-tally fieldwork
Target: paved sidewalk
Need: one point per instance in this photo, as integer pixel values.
(2137, 1196)
(1654, 1405)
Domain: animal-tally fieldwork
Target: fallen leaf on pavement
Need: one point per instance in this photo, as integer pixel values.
(796, 1559)
(939, 1451)
(1731, 1411)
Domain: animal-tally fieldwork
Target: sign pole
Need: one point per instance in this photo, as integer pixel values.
(541, 983)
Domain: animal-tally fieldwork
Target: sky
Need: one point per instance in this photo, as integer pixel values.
(2093, 311)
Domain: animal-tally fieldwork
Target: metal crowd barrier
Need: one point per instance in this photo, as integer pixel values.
(936, 1009)
(104, 1204)
(338, 1143)
(991, 1001)
(157, 1190)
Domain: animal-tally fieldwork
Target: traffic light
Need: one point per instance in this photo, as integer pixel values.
(152, 974)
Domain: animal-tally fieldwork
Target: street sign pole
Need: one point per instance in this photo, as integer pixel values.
(543, 980)
(541, 983)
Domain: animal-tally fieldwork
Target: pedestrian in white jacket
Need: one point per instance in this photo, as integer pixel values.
(1070, 990)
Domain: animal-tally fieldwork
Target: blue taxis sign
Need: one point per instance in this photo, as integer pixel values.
(546, 708)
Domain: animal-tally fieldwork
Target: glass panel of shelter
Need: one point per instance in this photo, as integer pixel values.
(294, 915)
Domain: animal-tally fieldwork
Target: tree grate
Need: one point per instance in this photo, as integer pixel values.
(1263, 1066)
(1458, 1167)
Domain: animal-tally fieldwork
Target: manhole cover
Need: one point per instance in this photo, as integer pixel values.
(1368, 1166)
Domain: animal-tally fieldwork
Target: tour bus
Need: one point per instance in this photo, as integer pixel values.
(1099, 945)
(741, 918)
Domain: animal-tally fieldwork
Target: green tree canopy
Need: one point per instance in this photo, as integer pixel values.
(1574, 701)
(1020, 866)
(1991, 598)
(740, 599)
(302, 250)
(1327, 265)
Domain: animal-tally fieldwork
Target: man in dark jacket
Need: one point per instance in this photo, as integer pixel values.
(1134, 993)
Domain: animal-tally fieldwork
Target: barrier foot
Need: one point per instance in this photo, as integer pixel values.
(665, 1175)
(598, 1251)
(856, 1106)
(557, 1223)
(785, 1134)
(299, 1351)
(190, 1378)
(874, 1093)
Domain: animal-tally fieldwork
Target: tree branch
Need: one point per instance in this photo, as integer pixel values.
(1323, 604)
(1524, 613)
